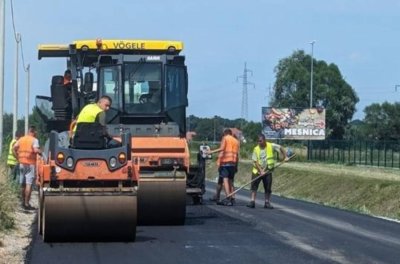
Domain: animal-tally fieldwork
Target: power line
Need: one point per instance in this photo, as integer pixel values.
(18, 39)
(26, 68)
(13, 23)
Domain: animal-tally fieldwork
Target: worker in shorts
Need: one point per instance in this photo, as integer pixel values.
(263, 163)
(227, 162)
(26, 149)
(220, 179)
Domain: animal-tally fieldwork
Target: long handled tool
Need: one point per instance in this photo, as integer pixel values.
(256, 178)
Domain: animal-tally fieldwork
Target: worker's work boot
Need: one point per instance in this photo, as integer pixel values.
(225, 202)
(214, 199)
(252, 204)
(268, 205)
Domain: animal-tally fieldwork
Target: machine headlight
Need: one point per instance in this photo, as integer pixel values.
(60, 157)
(122, 157)
(113, 162)
(70, 162)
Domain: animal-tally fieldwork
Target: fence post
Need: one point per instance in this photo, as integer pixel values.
(379, 153)
(338, 154)
(349, 155)
(384, 153)
(329, 150)
(392, 158)
(372, 154)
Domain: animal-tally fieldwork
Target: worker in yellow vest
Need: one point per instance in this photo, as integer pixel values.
(96, 112)
(12, 161)
(263, 164)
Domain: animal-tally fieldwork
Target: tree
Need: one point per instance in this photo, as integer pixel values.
(37, 121)
(382, 121)
(205, 127)
(8, 126)
(330, 90)
(251, 130)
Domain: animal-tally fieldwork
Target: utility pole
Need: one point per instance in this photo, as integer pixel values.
(309, 147)
(28, 71)
(244, 90)
(15, 106)
(2, 43)
(312, 71)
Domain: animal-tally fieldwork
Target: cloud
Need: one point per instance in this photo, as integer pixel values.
(357, 57)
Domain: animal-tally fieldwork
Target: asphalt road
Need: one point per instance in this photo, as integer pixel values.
(293, 232)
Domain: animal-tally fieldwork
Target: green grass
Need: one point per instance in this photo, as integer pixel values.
(367, 190)
(8, 198)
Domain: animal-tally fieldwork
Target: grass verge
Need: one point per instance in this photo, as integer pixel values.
(8, 197)
(371, 191)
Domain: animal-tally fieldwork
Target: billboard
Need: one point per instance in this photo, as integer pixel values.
(293, 123)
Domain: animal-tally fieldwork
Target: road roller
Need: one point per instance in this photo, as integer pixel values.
(147, 81)
(87, 192)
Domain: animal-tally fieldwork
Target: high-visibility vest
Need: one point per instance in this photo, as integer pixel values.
(230, 153)
(88, 114)
(25, 150)
(11, 159)
(270, 157)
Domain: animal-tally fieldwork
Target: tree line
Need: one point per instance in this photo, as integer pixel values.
(332, 92)
(291, 89)
(33, 120)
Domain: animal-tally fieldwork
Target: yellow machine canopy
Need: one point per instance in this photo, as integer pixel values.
(109, 46)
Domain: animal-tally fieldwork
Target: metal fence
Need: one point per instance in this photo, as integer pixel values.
(369, 153)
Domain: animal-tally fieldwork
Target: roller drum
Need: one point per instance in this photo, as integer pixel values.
(162, 202)
(89, 218)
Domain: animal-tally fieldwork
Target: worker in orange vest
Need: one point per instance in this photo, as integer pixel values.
(26, 149)
(67, 77)
(227, 162)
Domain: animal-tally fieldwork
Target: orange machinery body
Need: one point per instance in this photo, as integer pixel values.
(87, 194)
(161, 151)
(86, 171)
(164, 165)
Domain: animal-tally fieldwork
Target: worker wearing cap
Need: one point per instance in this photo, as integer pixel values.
(26, 149)
(227, 162)
(263, 164)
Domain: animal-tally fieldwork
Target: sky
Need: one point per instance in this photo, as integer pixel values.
(360, 36)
